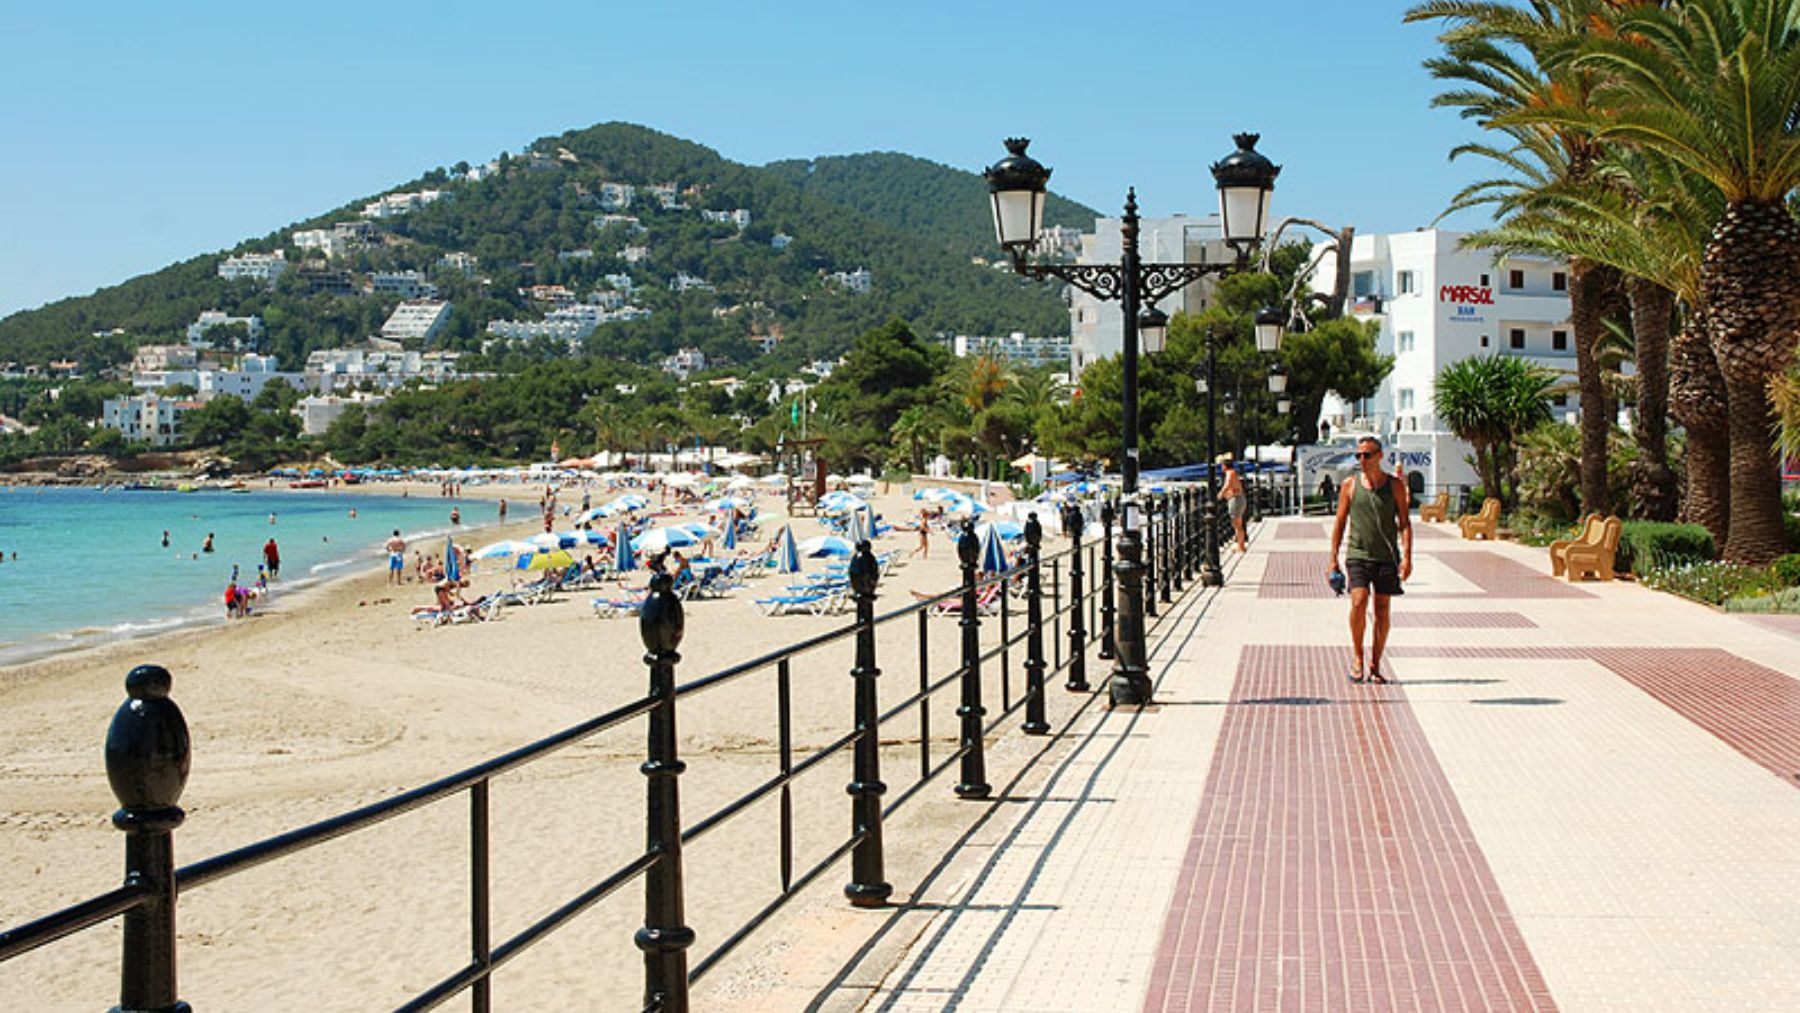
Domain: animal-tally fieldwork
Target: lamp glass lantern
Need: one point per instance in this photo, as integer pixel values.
(1277, 379)
(1246, 180)
(1153, 330)
(1283, 405)
(1271, 325)
(1018, 185)
(1201, 386)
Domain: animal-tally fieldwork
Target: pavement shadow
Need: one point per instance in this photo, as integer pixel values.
(1521, 701)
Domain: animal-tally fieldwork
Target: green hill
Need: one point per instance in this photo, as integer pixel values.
(538, 220)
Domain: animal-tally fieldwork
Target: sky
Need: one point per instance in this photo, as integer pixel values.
(135, 135)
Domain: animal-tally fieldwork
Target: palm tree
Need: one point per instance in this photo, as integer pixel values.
(1714, 87)
(915, 429)
(1488, 402)
(1505, 58)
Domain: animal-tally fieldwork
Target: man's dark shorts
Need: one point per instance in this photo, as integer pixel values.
(1384, 578)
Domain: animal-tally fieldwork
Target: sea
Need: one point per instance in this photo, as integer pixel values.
(83, 565)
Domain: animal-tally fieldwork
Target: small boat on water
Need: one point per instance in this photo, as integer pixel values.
(307, 483)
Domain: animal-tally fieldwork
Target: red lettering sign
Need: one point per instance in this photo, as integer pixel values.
(1470, 294)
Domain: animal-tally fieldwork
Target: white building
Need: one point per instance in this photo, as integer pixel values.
(146, 418)
(616, 196)
(477, 173)
(1096, 327)
(635, 254)
(416, 319)
(405, 284)
(1060, 241)
(858, 281)
(264, 267)
(394, 205)
(739, 217)
(684, 282)
(1017, 348)
(209, 319)
(668, 195)
(1438, 303)
(462, 263)
(254, 373)
(631, 224)
(685, 363)
(329, 369)
(319, 411)
(149, 358)
(329, 241)
(780, 241)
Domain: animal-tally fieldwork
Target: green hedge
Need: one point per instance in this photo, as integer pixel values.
(1662, 543)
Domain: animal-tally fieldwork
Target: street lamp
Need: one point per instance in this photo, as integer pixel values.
(1271, 324)
(1019, 185)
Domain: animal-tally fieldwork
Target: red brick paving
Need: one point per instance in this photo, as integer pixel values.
(1753, 709)
(1461, 620)
(1330, 867)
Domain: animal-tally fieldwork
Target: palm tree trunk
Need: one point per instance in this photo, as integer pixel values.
(1652, 322)
(1697, 400)
(1751, 283)
(1590, 286)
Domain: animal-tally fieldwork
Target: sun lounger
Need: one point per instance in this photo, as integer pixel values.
(611, 608)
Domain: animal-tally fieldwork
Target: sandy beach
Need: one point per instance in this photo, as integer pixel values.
(334, 698)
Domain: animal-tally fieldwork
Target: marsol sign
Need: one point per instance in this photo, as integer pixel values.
(1466, 295)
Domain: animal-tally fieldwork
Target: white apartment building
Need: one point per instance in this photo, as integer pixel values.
(668, 195)
(416, 319)
(1017, 348)
(329, 241)
(319, 411)
(394, 205)
(1096, 327)
(329, 369)
(149, 358)
(739, 217)
(685, 362)
(463, 263)
(405, 284)
(1060, 241)
(209, 319)
(254, 372)
(146, 418)
(858, 281)
(264, 267)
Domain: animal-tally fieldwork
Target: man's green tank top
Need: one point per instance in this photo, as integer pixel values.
(1374, 531)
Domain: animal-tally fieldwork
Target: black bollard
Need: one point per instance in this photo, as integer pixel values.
(1072, 523)
(147, 757)
(974, 761)
(1150, 563)
(665, 937)
(867, 887)
(1108, 646)
(1035, 721)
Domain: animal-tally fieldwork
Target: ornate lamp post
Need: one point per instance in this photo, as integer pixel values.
(1019, 187)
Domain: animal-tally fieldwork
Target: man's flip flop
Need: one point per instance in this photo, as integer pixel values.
(1356, 675)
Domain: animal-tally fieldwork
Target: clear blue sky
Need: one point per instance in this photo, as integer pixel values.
(136, 134)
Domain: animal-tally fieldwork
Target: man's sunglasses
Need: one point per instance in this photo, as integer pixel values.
(1363, 455)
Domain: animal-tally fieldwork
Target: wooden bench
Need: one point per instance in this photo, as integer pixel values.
(1590, 535)
(1597, 559)
(1437, 510)
(1485, 524)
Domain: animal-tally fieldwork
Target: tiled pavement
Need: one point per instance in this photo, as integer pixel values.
(1565, 801)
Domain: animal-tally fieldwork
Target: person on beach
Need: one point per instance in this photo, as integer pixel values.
(396, 550)
(923, 549)
(1373, 505)
(1232, 492)
(455, 516)
(165, 538)
(503, 511)
(207, 546)
(272, 557)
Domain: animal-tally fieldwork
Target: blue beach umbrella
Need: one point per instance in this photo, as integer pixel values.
(663, 539)
(826, 545)
(730, 542)
(452, 571)
(500, 550)
(624, 560)
(993, 556)
(787, 554)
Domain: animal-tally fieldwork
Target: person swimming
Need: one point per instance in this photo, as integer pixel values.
(165, 538)
(207, 546)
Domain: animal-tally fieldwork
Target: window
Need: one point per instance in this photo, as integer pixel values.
(1362, 283)
(1515, 279)
(1406, 399)
(1404, 341)
(1516, 339)
(1559, 281)
(1560, 400)
(1404, 284)
(1484, 281)
(1484, 341)
(1559, 341)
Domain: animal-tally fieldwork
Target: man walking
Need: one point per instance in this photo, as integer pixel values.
(272, 557)
(1374, 505)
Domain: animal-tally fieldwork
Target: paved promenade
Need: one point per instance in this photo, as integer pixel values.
(1570, 797)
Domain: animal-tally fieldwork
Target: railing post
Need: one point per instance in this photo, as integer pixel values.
(1149, 553)
(665, 937)
(1167, 506)
(1178, 538)
(147, 757)
(974, 763)
(867, 886)
(1035, 720)
(1193, 533)
(1108, 645)
(1072, 523)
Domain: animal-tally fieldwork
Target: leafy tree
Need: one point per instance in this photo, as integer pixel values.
(1488, 401)
(220, 420)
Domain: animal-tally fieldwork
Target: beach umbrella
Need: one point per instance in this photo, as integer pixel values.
(724, 503)
(841, 502)
(452, 568)
(499, 550)
(938, 494)
(623, 559)
(826, 545)
(739, 483)
(663, 539)
(730, 542)
(787, 554)
(993, 555)
(544, 560)
(575, 539)
(774, 481)
(856, 531)
(966, 505)
(699, 529)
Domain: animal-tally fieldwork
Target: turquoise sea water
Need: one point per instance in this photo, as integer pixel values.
(91, 564)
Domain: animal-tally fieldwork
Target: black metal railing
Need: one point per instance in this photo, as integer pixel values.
(147, 757)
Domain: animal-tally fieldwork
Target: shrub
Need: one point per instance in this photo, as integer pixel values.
(1787, 569)
(1537, 529)
(1790, 530)
(1785, 601)
(1710, 582)
(1647, 545)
